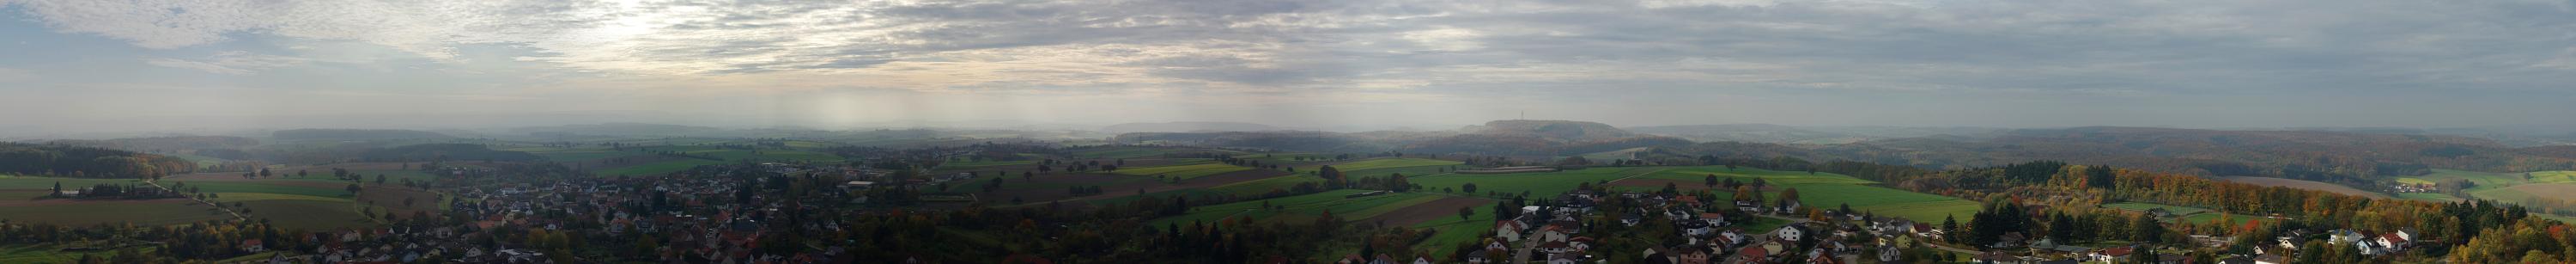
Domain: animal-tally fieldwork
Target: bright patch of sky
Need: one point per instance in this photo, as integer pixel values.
(1310, 62)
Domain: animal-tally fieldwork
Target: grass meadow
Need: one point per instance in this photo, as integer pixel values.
(656, 168)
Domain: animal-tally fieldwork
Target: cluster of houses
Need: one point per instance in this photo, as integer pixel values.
(2365, 241)
(2411, 188)
(1554, 234)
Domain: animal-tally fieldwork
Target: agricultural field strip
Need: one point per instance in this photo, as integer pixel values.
(1932, 211)
(657, 167)
(2553, 177)
(1743, 174)
(1183, 171)
(1256, 187)
(1392, 163)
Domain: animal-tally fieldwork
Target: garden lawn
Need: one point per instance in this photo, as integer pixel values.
(2142, 207)
(1183, 172)
(1538, 184)
(657, 167)
(1746, 174)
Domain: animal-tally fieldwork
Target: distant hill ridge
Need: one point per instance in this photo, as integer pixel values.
(322, 133)
(1186, 127)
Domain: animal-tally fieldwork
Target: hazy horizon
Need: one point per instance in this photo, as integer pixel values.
(178, 65)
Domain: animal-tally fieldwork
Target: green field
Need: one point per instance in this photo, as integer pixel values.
(580, 156)
(657, 167)
(986, 163)
(1165, 194)
(2553, 177)
(2502, 195)
(2414, 181)
(1288, 158)
(1484, 215)
(1833, 195)
(1415, 171)
(2142, 207)
(233, 197)
(87, 214)
(1929, 212)
(2433, 197)
(1450, 234)
(47, 183)
(1183, 172)
(1261, 186)
(244, 187)
(766, 155)
(307, 214)
(1365, 206)
(1391, 163)
(2561, 219)
(396, 176)
(1744, 174)
(1120, 153)
(2485, 181)
(2204, 218)
(1539, 184)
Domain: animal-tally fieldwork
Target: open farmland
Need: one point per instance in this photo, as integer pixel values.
(1701, 173)
(2520, 193)
(2311, 185)
(1442, 210)
(396, 176)
(152, 214)
(1831, 195)
(2413, 181)
(657, 167)
(1391, 163)
(306, 214)
(1121, 153)
(273, 187)
(1167, 195)
(1538, 184)
(47, 183)
(1257, 187)
(579, 155)
(1183, 172)
(1930, 212)
(2552, 177)
(2485, 181)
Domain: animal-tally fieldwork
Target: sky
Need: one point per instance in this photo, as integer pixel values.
(167, 64)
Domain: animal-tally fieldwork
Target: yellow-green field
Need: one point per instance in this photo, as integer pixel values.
(2553, 177)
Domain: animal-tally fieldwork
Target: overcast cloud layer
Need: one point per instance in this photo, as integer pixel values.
(1312, 63)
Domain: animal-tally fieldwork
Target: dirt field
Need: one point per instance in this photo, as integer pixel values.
(1426, 212)
(45, 202)
(2311, 185)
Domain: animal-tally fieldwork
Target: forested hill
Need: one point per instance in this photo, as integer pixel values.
(321, 133)
(2310, 155)
(79, 161)
(165, 144)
